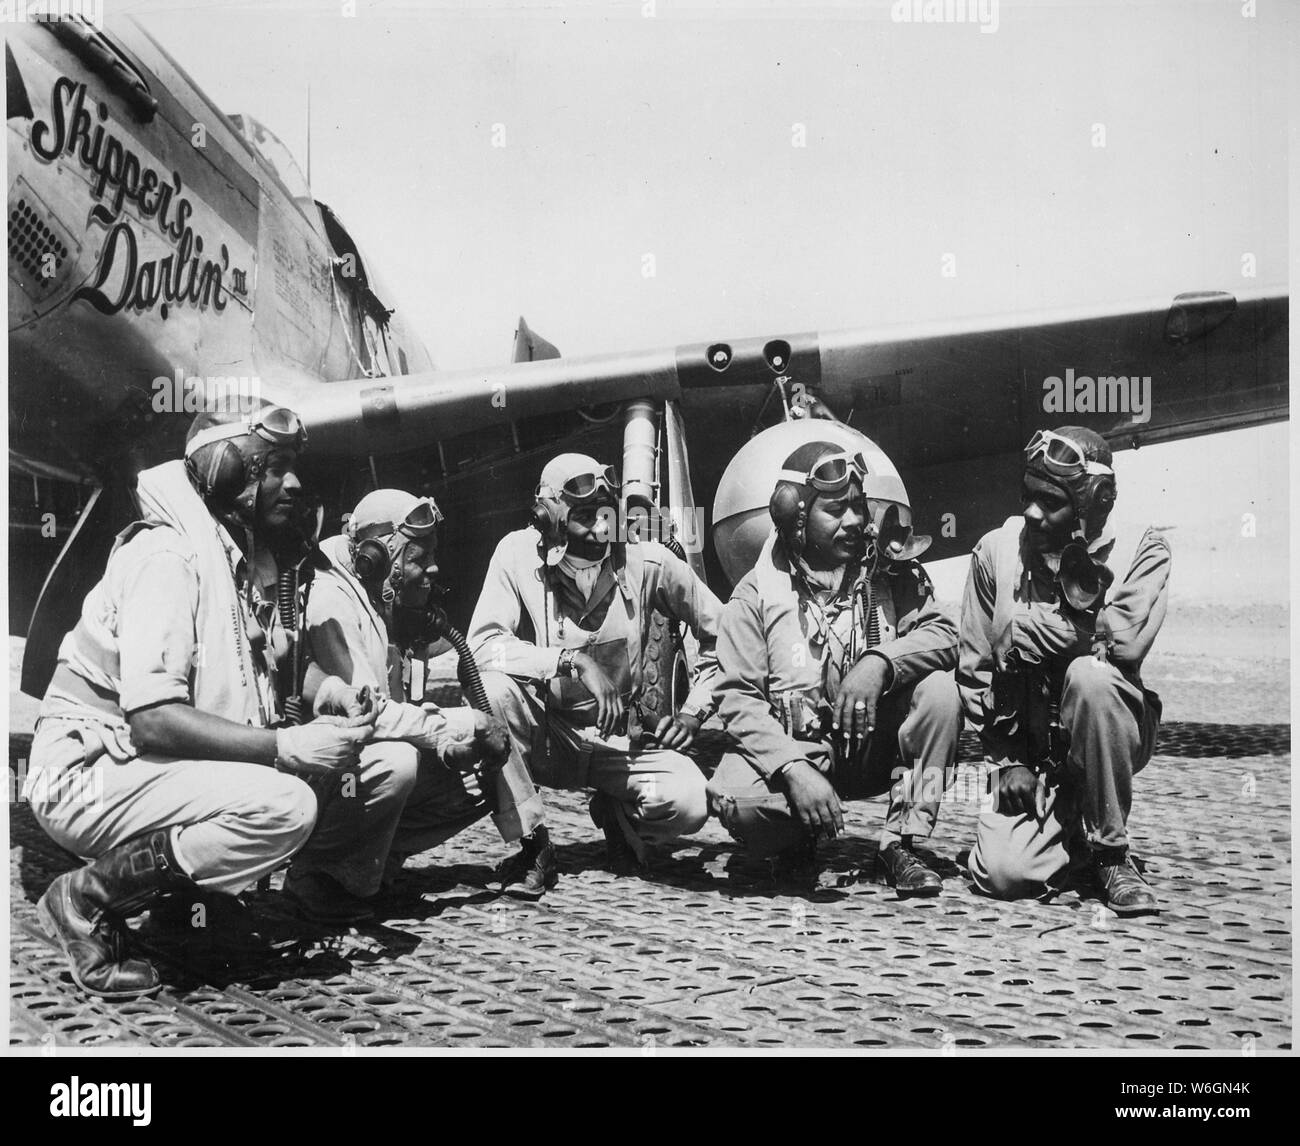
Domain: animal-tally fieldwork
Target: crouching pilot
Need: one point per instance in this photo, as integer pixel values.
(1050, 677)
(154, 759)
(561, 630)
(835, 679)
(430, 772)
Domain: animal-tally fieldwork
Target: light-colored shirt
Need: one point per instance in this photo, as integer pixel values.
(170, 620)
(348, 637)
(522, 622)
(772, 654)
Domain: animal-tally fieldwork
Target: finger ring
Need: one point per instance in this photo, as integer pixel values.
(861, 705)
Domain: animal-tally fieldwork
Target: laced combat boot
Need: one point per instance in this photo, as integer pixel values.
(906, 873)
(1125, 890)
(531, 871)
(85, 912)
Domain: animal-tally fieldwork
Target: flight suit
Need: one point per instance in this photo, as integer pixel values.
(772, 690)
(524, 619)
(1110, 718)
(398, 800)
(175, 618)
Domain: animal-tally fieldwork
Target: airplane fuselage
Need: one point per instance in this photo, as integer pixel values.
(149, 235)
(155, 241)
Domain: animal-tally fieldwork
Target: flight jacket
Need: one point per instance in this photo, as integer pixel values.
(1012, 601)
(522, 622)
(768, 646)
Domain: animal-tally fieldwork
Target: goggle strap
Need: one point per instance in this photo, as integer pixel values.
(1040, 447)
(1063, 469)
(388, 532)
(215, 434)
(256, 426)
(855, 463)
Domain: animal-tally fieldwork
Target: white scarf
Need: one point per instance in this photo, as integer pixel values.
(583, 572)
(822, 580)
(228, 679)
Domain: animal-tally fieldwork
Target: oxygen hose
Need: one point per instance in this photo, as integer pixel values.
(292, 618)
(286, 598)
(471, 679)
(286, 603)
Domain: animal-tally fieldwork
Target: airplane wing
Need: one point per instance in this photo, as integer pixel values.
(952, 404)
(928, 393)
(947, 401)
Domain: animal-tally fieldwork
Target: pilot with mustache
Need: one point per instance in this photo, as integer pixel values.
(430, 772)
(154, 758)
(835, 679)
(1050, 676)
(560, 631)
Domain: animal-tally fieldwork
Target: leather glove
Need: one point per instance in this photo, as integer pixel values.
(327, 744)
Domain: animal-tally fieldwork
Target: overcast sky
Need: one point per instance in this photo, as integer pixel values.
(1080, 154)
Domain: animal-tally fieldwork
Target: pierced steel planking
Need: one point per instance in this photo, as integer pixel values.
(700, 954)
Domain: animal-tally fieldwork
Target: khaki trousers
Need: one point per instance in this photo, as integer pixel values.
(232, 822)
(402, 802)
(910, 755)
(660, 792)
(1112, 724)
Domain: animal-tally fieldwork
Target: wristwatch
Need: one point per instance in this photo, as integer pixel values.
(564, 663)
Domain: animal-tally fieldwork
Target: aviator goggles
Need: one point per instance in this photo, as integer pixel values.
(275, 424)
(1061, 456)
(420, 521)
(584, 487)
(832, 473)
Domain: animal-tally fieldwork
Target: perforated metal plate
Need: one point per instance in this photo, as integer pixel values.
(702, 953)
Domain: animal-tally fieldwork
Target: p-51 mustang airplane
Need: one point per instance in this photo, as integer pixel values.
(153, 239)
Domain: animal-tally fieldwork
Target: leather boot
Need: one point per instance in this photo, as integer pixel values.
(532, 870)
(905, 873)
(1125, 890)
(85, 912)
